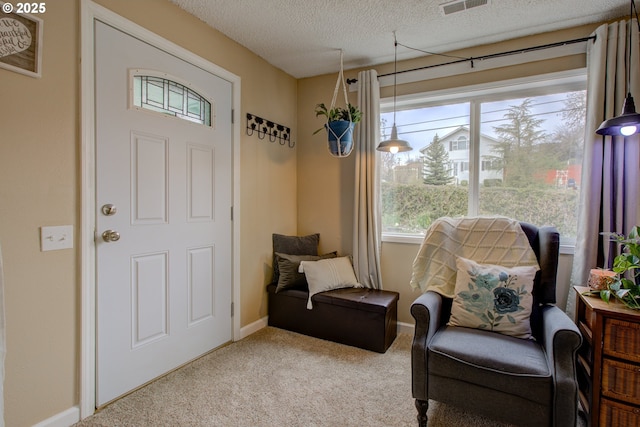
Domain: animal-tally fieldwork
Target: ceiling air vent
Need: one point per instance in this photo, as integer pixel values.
(460, 5)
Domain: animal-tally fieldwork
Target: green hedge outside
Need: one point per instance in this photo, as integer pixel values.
(411, 208)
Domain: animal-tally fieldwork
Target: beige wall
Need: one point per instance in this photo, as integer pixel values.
(40, 180)
(38, 186)
(325, 184)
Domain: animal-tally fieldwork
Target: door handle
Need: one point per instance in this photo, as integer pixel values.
(110, 236)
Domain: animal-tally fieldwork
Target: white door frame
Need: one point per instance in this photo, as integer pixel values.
(91, 11)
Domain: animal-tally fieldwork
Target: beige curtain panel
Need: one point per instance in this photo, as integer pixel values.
(366, 222)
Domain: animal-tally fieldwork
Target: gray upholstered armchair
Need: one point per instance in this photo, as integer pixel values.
(524, 382)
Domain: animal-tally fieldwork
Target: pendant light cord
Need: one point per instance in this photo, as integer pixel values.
(633, 9)
(628, 67)
(395, 74)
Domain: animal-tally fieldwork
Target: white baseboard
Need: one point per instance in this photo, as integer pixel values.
(406, 328)
(63, 419)
(251, 328)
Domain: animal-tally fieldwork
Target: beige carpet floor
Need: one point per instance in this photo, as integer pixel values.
(280, 378)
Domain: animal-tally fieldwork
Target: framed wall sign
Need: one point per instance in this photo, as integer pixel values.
(20, 40)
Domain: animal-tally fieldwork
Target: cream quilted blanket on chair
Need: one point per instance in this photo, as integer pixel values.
(486, 240)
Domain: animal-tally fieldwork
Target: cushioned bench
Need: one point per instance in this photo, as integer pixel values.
(361, 317)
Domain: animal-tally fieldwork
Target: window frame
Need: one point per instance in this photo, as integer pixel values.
(543, 84)
(461, 139)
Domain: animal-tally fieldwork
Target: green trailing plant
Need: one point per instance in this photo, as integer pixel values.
(351, 112)
(625, 286)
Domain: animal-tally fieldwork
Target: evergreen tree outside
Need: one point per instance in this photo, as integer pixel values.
(437, 169)
(521, 147)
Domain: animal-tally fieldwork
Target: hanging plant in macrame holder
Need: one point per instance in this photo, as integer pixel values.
(340, 121)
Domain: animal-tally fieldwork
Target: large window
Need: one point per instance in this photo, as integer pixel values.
(512, 149)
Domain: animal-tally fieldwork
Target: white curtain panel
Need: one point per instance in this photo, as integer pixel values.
(366, 229)
(610, 167)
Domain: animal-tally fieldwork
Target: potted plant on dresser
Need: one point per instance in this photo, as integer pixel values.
(624, 284)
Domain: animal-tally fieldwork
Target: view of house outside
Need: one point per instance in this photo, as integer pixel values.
(528, 167)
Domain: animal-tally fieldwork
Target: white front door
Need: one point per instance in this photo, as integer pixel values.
(163, 203)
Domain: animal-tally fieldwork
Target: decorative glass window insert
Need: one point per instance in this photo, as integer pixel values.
(171, 98)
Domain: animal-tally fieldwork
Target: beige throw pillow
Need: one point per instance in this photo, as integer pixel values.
(327, 274)
(288, 265)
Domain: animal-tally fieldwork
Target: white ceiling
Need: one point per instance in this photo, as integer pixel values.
(304, 37)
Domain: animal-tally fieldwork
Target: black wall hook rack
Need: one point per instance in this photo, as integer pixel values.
(273, 130)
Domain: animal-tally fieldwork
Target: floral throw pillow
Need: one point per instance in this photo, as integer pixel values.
(493, 298)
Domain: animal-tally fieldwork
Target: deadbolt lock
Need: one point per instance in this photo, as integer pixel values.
(109, 209)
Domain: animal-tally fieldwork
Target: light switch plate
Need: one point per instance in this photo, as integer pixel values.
(54, 238)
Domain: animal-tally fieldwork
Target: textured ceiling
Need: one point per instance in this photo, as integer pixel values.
(304, 37)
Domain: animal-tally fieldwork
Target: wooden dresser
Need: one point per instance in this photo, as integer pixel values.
(608, 361)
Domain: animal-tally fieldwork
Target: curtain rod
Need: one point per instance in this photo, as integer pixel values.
(490, 56)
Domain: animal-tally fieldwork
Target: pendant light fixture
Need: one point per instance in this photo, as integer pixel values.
(394, 145)
(627, 123)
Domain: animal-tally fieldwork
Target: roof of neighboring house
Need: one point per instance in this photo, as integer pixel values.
(457, 131)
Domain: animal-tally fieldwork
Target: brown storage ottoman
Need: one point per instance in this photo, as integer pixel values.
(361, 317)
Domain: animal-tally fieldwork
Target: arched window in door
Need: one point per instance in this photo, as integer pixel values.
(167, 96)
